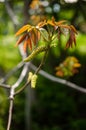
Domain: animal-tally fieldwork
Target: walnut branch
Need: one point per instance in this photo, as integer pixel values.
(11, 72)
(36, 72)
(4, 86)
(58, 80)
(10, 114)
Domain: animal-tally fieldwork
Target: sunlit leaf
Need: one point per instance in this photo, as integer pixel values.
(41, 24)
(23, 29)
(21, 39)
(64, 26)
(73, 28)
(33, 37)
(51, 23)
(25, 45)
(29, 43)
(60, 22)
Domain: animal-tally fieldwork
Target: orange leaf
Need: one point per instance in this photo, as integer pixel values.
(60, 73)
(21, 39)
(33, 37)
(51, 23)
(23, 29)
(41, 24)
(77, 65)
(64, 26)
(29, 43)
(60, 22)
(25, 45)
(38, 36)
(73, 28)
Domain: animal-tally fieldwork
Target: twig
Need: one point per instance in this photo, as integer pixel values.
(10, 114)
(23, 74)
(36, 71)
(21, 89)
(4, 86)
(11, 72)
(42, 62)
(12, 92)
(58, 80)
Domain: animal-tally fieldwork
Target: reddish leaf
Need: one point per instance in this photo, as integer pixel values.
(33, 37)
(21, 39)
(29, 43)
(69, 43)
(38, 36)
(25, 45)
(72, 39)
(73, 28)
(64, 26)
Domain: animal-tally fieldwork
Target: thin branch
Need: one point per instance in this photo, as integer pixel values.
(12, 92)
(10, 114)
(5, 86)
(22, 88)
(36, 71)
(22, 76)
(11, 72)
(42, 62)
(58, 80)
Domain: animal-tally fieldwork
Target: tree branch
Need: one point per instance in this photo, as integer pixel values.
(5, 86)
(22, 75)
(36, 71)
(11, 72)
(58, 80)
(10, 114)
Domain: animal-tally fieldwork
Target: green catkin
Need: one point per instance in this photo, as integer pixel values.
(33, 81)
(30, 76)
(35, 52)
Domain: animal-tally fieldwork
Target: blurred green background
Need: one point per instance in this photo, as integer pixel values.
(52, 106)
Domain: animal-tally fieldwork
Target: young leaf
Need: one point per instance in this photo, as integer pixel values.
(33, 37)
(29, 43)
(23, 29)
(25, 45)
(21, 39)
(60, 22)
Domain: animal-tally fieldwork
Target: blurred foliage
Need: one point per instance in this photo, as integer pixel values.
(68, 67)
(56, 107)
